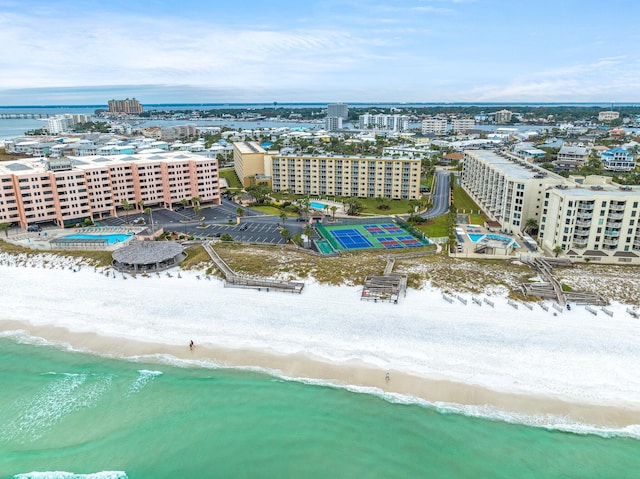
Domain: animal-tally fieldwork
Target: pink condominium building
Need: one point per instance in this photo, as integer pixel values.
(68, 190)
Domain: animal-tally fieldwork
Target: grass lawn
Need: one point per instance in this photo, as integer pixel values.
(229, 174)
(436, 227)
(463, 202)
(369, 205)
(268, 210)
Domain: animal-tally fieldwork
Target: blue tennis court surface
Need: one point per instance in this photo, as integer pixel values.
(351, 239)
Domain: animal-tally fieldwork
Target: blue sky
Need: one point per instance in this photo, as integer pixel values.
(76, 52)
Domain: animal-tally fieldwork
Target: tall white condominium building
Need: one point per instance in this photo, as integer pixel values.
(338, 109)
(384, 122)
(333, 123)
(61, 123)
(608, 115)
(593, 221)
(508, 189)
(502, 116)
(462, 124)
(437, 126)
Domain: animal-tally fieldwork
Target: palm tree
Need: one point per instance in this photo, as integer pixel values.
(126, 207)
(148, 211)
(196, 209)
(284, 232)
(531, 224)
(140, 204)
(557, 250)
(5, 227)
(196, 200)
(308, 232)
(184, 202)
(333, 209)
(240, 213)
(283, 217)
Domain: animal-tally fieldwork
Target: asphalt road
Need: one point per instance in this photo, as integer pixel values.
(440, 196)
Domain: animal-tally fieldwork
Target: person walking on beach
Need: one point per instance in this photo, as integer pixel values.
(387, 377)
(191, 345)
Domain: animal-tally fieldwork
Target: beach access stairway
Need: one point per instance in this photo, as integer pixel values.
(550, 288)
(234, 280)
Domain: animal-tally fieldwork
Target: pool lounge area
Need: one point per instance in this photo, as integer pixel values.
(91, 241)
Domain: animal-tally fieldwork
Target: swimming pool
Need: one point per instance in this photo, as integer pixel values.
(317, 205)
(108, 239)
(475, 237)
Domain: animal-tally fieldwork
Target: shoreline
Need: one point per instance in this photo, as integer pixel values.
(355, 375)
(572, 371)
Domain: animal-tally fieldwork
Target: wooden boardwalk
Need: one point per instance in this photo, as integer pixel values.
(234, 280)
(551, 288)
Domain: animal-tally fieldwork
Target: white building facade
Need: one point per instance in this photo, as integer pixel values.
(508, 189)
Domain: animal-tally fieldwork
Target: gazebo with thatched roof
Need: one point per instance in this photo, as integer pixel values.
(148, 256)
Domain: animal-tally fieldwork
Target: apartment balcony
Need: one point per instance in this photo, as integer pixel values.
(613, 233)
(617, 207)
(580, 243)
(610, 242)
(583, 224)
(615, 216)
(614, 224)
(636, 244)
(584, 215)
(585, 207)
(581, 232)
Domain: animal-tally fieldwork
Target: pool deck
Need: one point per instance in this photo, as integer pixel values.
(43, 240)
(492, 248)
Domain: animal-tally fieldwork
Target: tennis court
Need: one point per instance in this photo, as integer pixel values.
(366, 236)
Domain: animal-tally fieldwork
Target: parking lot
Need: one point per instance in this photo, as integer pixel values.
(255, 227)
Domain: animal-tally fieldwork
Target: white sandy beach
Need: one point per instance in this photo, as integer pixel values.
(530, 366)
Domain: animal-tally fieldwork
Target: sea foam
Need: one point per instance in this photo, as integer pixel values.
(72, 475)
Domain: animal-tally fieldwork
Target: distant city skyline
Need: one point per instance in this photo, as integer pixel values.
(77, 52)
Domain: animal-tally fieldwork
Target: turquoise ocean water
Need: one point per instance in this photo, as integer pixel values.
(83, 414)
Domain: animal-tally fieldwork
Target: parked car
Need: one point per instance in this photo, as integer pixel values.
(36, 228)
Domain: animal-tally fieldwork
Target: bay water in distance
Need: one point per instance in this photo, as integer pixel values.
(65, 412)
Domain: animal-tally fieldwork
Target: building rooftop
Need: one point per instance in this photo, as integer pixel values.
(248, 147)
(147, 252)
(39, 165)
(512, 167)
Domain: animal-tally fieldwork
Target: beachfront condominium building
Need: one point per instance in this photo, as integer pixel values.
(397, 178)
(437, 126)
(128, 106)
(68, 190)
(338, 109)
(595, 220)
(508, 189)
(327, 175)
(333, 123)
(462, 124)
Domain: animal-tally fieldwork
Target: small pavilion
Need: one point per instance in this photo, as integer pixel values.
(148, 256)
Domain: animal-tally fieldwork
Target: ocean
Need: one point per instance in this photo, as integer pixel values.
(69, 414)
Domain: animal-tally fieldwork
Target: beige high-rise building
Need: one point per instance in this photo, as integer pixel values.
(249, 160)
(369, 177)
(128, 106)
(327, 175)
